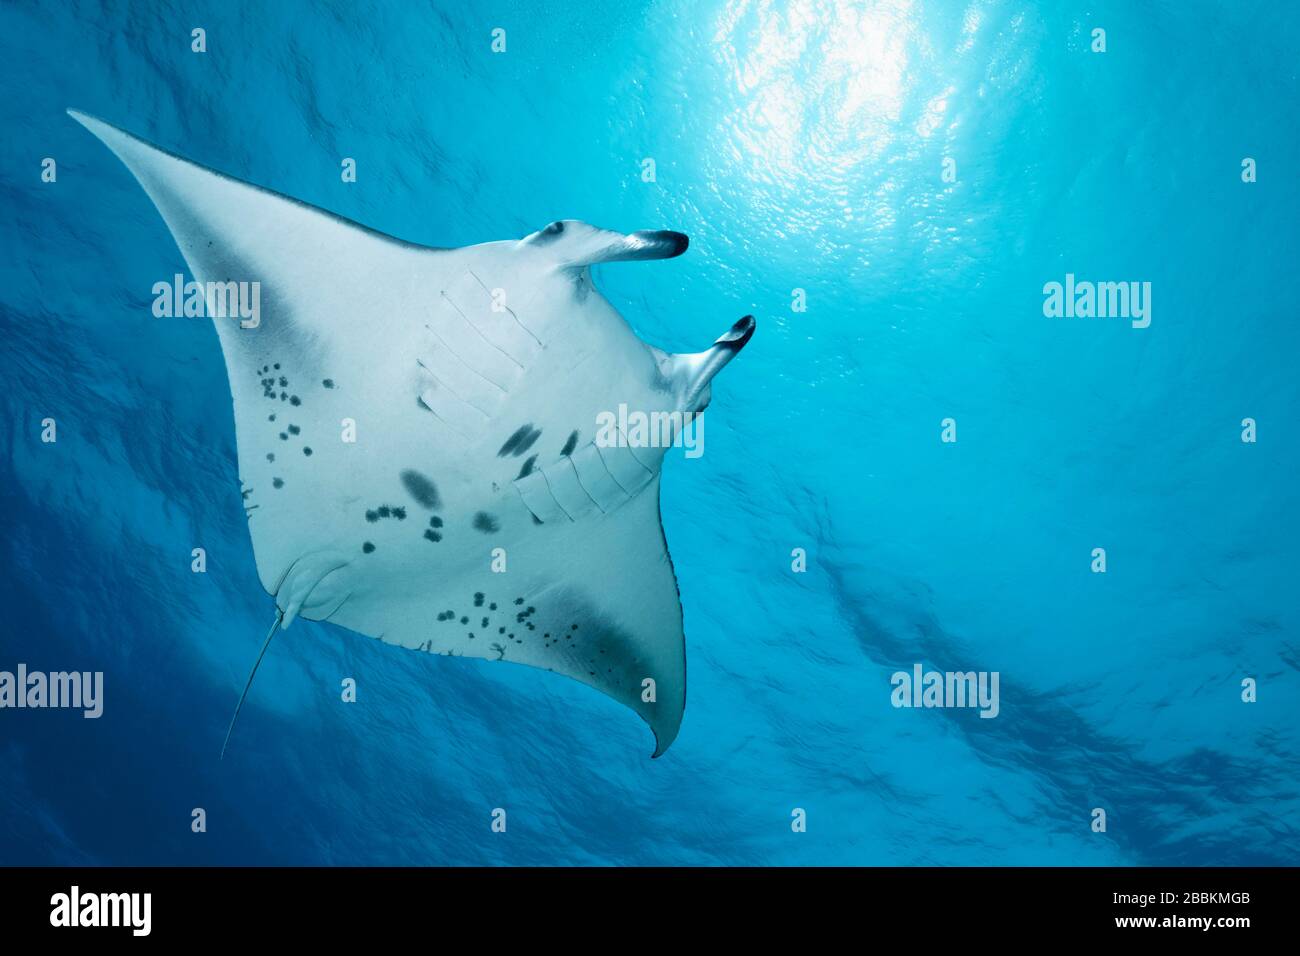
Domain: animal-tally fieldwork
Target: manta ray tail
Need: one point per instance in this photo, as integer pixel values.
(279, 616)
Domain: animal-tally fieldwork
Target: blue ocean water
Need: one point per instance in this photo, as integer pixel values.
(801, 145)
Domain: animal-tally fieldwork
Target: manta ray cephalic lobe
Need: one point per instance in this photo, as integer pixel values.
(473, 379)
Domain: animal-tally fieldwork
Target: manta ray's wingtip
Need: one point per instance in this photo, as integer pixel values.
(95, 125)
(663, 740)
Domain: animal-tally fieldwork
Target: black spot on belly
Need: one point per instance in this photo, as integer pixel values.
(478, 598)
(372, 516)
(486, 523)
(367, 547)
(270, 456)
(328, 383)
(527, 468)
(307, 452)
(435, 522)
(432, 535)
(569, 445)
(295, 400)
(520, 441)
(277, 482)
(422, 489)
(294, 429)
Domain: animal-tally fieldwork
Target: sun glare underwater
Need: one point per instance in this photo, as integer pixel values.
(916, 465)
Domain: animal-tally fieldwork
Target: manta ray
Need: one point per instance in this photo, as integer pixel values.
(416, 431)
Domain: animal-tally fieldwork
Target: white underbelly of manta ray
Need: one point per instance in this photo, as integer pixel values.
(418, 440)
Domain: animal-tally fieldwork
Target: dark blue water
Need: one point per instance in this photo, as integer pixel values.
(801, 146)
